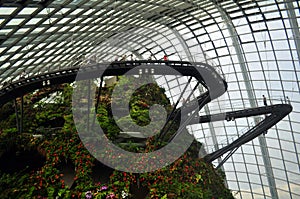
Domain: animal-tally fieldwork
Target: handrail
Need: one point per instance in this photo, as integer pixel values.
(275, 112)
(68, 75)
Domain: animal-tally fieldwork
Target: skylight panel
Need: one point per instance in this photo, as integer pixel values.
(5, 65)
(246, 38)
(75, 2)
(100, 12)
(39, 60)
(76, 20)
(90, 2)
(109, 12)
(41, 45)
(13, 49)
(283, 55)
(84, 28)
(18, 63)
(16, 56)
(117, 13)
(185, 5)
(40, 53)
(37, 30)
(206, 22)
(64, 10)
(2, 49)
(77, 11)
(64, 20)
(49, 59)
(7, 10)
(216, 35)
(253, 10)
(89, 11)
(5, 31)
(15, 22)
(75, 28)
(59, 2)
(27, 11)
(243, 29)
(63, 29)
(87, 20)
(212, 28)
(184, 31)
(58, 51)
(29, 54)
(272, 15)
(3, 58)
(34, 21)
(272, 25)
(51, 29)
(258, 26)
(60, 44)
(49, 21)
(46, 11)
(276, 34)
(22, 31)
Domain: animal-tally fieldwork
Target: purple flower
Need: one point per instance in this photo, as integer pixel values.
(88, 195)
(110, 196)
(103, 188)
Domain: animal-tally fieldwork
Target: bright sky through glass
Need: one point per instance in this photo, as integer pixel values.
(256, 44)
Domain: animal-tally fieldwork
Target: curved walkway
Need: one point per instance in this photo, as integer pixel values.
(204, 73)
(23, 86)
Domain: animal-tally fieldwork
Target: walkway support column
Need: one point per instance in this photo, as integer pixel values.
(17, 115)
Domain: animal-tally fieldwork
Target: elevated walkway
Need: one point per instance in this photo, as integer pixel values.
(23, 86)
(273, 114)
(205, 74)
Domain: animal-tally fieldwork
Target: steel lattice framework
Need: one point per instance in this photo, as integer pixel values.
(255, 44)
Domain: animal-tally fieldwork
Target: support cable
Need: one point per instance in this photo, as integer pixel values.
(277, 113)
(177, 113)
(174, 108)
(227, 157)
(190, 118)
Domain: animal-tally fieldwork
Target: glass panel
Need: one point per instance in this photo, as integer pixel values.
(7, 10)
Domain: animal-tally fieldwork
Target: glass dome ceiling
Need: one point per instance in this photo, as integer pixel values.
(255, 44)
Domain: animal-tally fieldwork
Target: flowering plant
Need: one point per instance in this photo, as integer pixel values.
(200, 180)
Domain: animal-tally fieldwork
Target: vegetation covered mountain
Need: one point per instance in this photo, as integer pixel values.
(59, 166)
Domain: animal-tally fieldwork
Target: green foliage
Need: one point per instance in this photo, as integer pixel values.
(12, 185)
(200, 180)
(7, 117)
